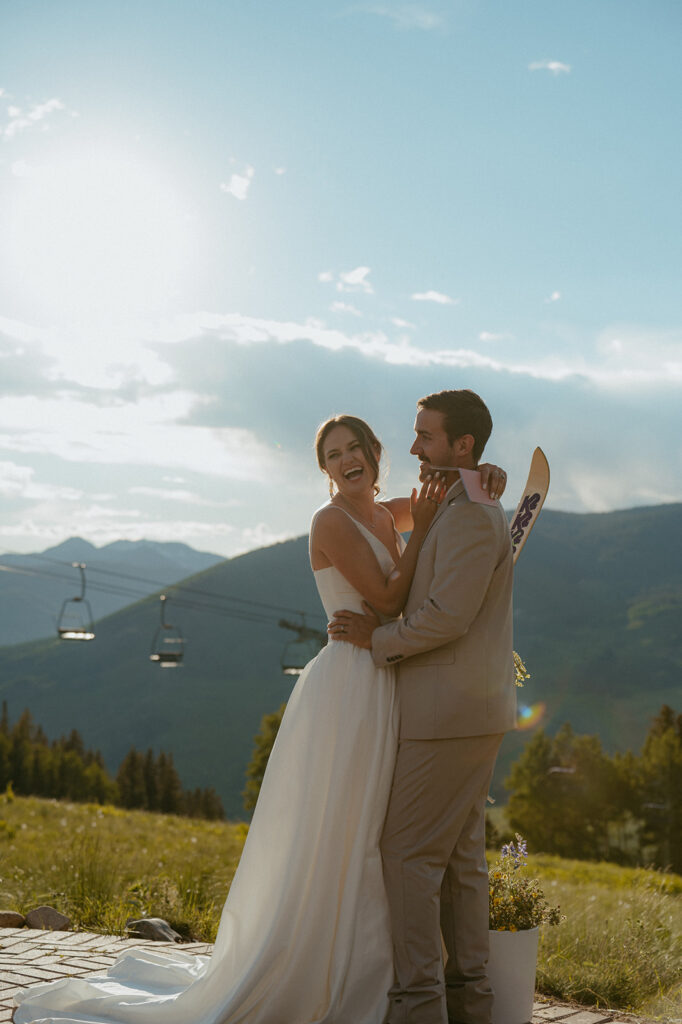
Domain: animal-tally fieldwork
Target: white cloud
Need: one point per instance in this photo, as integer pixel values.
(495, 336)
(637, 355)
(14, 479)
(20, 120)
(280, 170)
(432, 296)
(149, 432)
(173, 458)
(554, 297)
(407, 16)
(105, 525)
(18, 482)
(399, 322)
(619, 355)
(371, 344)
(20, 169)
(239, 184)
(349, 281)
(555, 66)
(647, 356)
(344, 307)
(177, 494)
(355, 281)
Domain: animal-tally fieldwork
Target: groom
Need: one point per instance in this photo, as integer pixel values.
(452, 652)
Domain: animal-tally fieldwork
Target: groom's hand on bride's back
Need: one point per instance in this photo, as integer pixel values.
(353, 628)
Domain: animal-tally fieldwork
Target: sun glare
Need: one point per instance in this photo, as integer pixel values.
(97, 235)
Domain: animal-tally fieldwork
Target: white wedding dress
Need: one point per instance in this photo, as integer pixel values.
(304, 935)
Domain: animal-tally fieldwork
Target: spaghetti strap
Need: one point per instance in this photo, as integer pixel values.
(361, 526)
(363, 529)
(356, 521)
(396, 531)
(364, 532)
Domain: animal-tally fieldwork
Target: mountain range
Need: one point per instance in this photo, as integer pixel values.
(598, 616)
(34, 587)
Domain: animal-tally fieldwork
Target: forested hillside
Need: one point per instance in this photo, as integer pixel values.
(598, 611)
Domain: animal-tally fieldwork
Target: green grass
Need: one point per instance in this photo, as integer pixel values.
(103, 865)
(620, 945)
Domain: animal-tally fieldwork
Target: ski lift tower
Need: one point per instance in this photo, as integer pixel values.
(305, 646)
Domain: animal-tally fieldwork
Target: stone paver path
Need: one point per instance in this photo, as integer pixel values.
(28, 956)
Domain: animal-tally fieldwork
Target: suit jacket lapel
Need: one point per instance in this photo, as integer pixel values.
(451, 494)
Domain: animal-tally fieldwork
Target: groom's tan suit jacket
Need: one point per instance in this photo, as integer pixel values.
(453, 647)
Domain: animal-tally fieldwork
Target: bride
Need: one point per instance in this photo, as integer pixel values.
(304, 934)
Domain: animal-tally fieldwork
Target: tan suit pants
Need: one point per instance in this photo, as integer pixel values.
(433, 851)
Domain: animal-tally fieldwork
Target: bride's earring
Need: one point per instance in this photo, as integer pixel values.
(331, 488)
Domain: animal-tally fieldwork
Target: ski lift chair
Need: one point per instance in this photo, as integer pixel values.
(75, 618)
(168, 642)
(306, 645)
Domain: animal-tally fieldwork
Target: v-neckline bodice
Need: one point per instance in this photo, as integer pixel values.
(372, 536)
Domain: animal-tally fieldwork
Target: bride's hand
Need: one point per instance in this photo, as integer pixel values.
(424, 505)
(493, 479)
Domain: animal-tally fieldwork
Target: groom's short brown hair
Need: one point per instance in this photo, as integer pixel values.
(464, 412)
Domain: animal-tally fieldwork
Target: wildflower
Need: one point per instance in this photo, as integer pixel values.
(516, 901)
(521, 673)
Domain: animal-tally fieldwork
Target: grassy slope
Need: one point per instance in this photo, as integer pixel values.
(620, 945)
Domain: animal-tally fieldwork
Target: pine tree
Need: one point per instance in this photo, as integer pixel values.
(21, 755)
(42, 777)
(5, 761)
(211, 805)
(4, 720)
(72, 776)
(100, 788)
(170, 788)
(151, 781)
(530, 807)
(130, 780)
(660, 790)
(263, 743)
(75, 743)
(66, 770)
(24, 728)
(565, 796)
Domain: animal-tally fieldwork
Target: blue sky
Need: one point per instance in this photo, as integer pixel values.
(223, 222)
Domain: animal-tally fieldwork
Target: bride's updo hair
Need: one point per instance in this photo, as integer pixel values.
(369, 443)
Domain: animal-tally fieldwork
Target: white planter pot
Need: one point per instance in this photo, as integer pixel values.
(511, 969)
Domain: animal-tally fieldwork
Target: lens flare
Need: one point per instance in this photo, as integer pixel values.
(530, 716)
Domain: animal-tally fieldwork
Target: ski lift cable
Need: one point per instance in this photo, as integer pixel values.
(111, 589)
(92, 568)
(245, 614)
